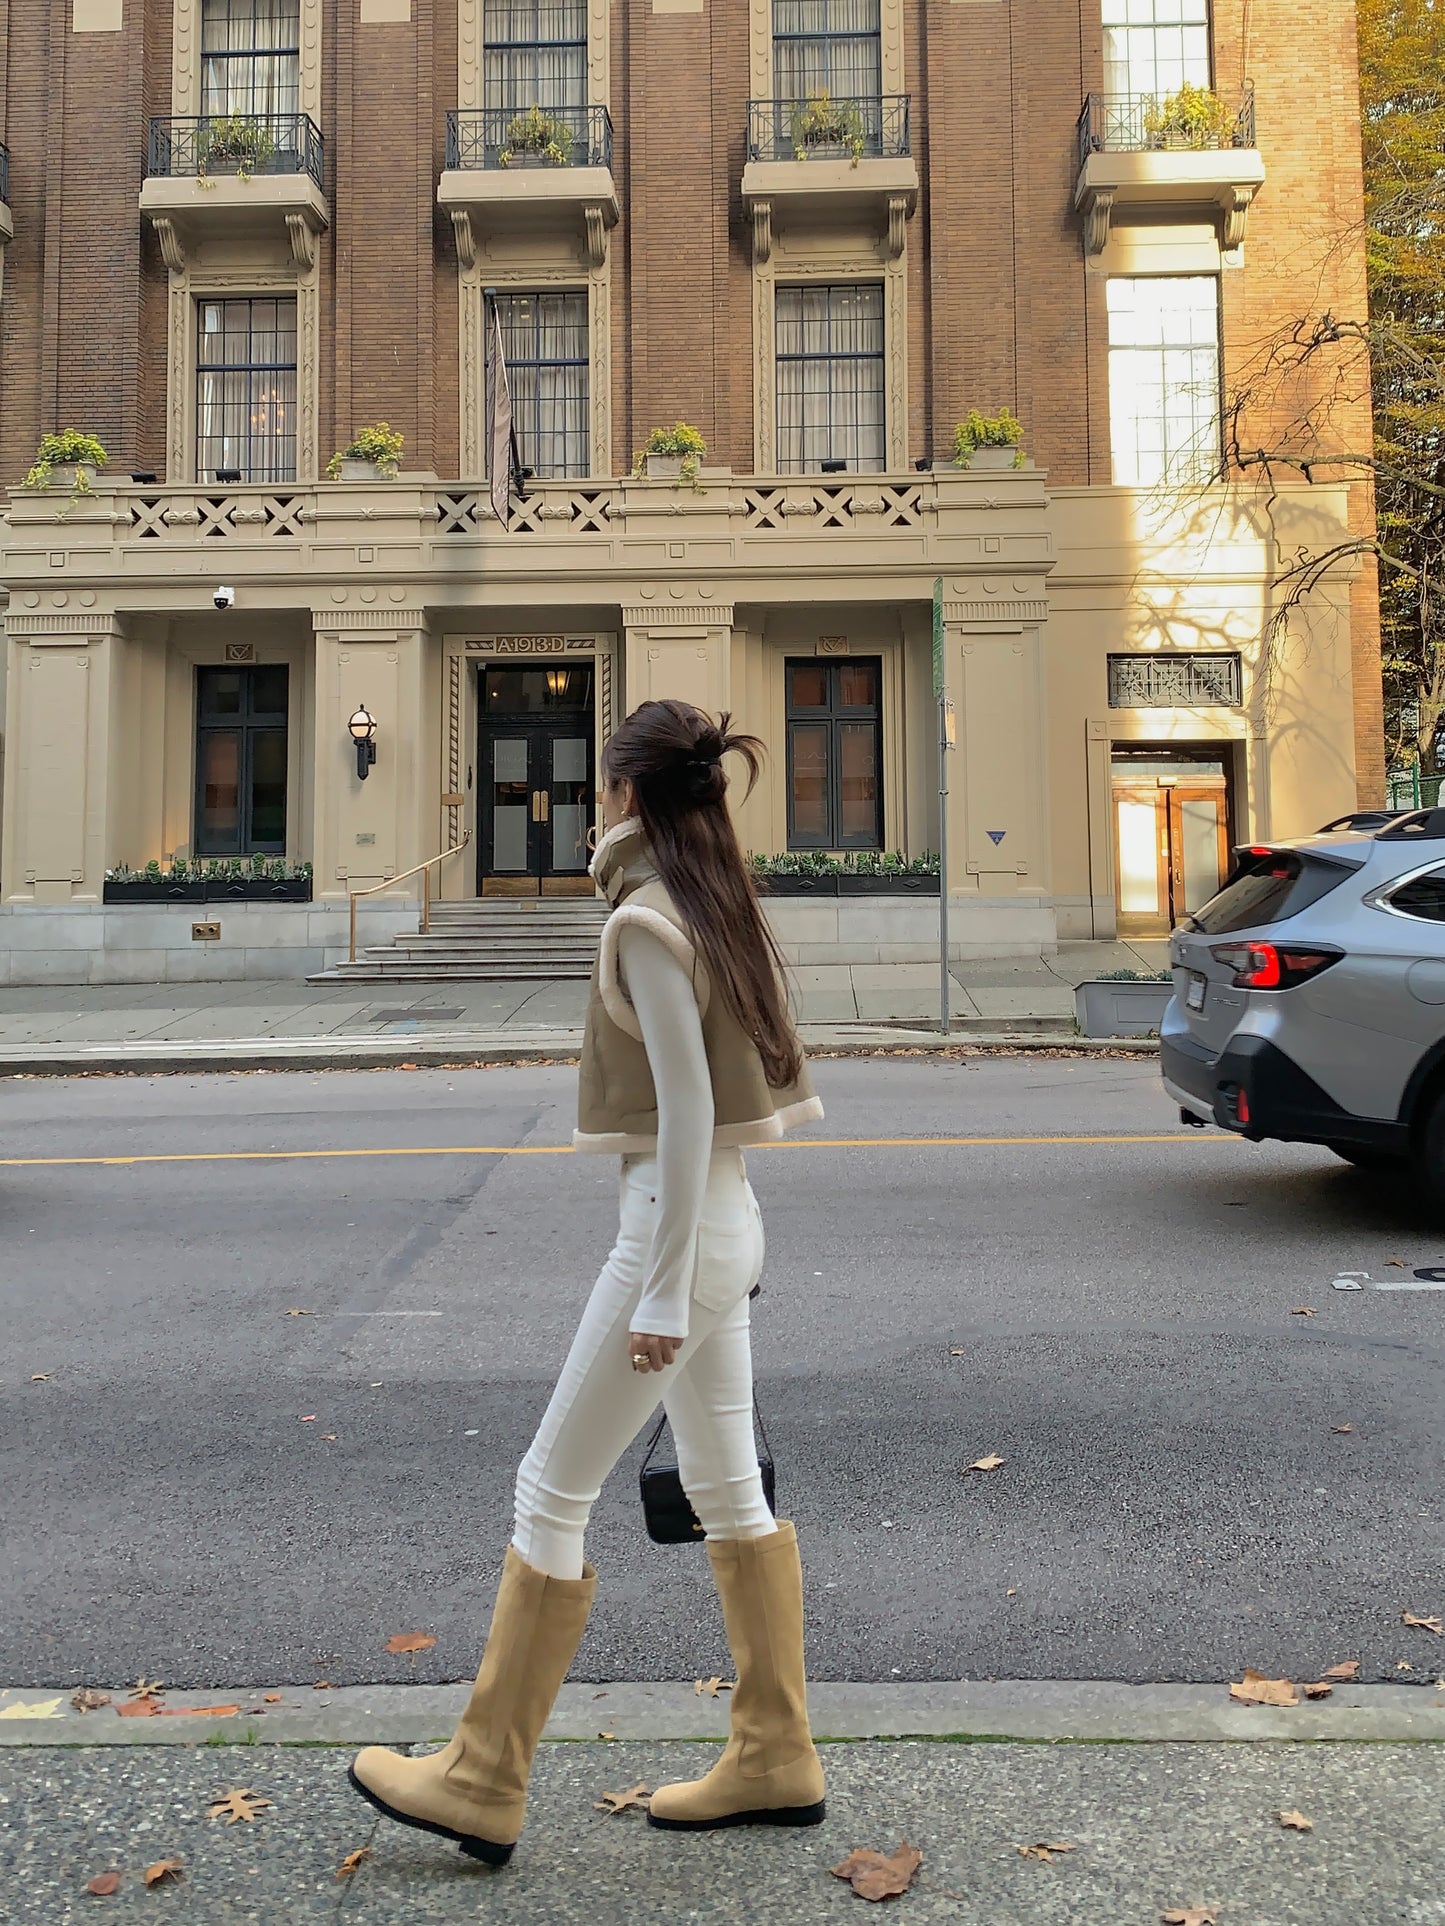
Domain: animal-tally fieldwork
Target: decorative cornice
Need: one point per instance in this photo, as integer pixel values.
(338, 621)
(84, 626)
(678, 615)
(1029, 611)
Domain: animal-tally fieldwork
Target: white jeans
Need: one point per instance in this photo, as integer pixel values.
(600, 1403)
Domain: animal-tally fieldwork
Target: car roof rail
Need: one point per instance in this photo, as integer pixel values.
(1423, 824)
(1360, 819)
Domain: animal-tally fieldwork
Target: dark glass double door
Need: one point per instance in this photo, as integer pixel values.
(537, 787)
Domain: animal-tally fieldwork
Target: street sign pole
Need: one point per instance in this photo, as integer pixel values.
(945, 730)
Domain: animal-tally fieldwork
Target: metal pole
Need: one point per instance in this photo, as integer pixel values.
(944, 998)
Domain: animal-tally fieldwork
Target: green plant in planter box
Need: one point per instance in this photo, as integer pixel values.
(1195, 117)
(233, 137)
(978, 430)
(822, 121)
(535, 135)
(680, 439)
(68, 449)
(380, 444)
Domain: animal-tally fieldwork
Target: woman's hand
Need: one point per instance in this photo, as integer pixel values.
(649, 1353)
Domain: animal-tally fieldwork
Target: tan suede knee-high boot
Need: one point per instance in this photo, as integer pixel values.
(769, 1774)
(475, 1789)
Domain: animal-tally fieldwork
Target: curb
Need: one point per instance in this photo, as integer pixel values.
(460, 1053)
(1022, 1711)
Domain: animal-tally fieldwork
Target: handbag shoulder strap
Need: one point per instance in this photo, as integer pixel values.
(661, 1426)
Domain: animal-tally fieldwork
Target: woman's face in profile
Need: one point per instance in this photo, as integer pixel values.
(617, 803)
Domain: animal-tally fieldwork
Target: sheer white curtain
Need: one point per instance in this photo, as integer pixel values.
(246, 389)
(1152, 47)
(832, 44)
(545, 340)
(250, 57)
(830, 377)
(535, 54)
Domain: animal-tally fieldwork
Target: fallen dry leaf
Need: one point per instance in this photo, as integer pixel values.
(1434, 1625)
(301, 1314)
(138, 1709)
(410, 1642)
(196, 1711)
(238, 1802)
(1255, 1689)
(88, 1700)
(322, 1685)
(36, 1709)
(607, 1735)
(1044, 1850)
(352, 1860)
(43, 1377)
(710, 1687)
(1304, 1310)
(1342, 1430)
(328, 1437)
(272, 1698)
(406, 1066)
(162, 1871)
(1192, 1916)
(990, 1463)
(1319, 1690)
(1347, 1669)
(310, 1420)
(1295, 1821)
(1397, 1262)
(612, 1802)
(145, 1688)
(879, 1875)
(103, 1884)
(958, 1351)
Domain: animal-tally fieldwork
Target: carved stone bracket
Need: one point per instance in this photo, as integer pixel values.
(173, 248)
(303, 240)
(1096, 220)
(1236, 213)
(898, 210)
(466, 239)
(762, 231)
(595, 217)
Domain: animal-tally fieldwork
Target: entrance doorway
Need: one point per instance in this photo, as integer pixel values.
(1171, 835)
(536, 790)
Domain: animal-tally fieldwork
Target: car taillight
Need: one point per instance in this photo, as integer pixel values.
(1273, 966)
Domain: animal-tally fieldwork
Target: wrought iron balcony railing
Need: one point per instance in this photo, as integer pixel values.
(529, 137)
(1152, 123)
(212, 145)
(826, 127)
(4, 173)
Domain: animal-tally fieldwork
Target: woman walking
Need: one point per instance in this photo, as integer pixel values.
(689, 1054)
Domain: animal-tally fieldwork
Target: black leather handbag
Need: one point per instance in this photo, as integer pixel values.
(671, 1520)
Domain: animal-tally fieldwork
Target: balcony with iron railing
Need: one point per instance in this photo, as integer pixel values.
(1190, 150)
(522, 168)
(218, 175)
(827, 153)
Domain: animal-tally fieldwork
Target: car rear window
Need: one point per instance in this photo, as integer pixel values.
(1266, 887)
(1423, 896)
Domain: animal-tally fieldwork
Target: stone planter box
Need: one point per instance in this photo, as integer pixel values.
(294, 889)
(993, 457)
(663, 467)
(1121, 1008)
(848, 885)
(353, 470)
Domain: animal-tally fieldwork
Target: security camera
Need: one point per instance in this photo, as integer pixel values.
(224, 598)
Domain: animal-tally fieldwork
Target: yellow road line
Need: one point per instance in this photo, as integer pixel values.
(565, 1150)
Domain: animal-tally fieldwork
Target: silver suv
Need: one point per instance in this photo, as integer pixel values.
(1309, 996)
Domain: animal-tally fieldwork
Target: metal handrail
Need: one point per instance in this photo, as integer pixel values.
(1119, 124)
(870, 127)
(210, 144)
(503, 137)
(423, 870)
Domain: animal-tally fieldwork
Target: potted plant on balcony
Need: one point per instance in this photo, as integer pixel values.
(257, 879)
(181, 883)
(372, 455)
(536, 137)
(67, 460)
(671, 454)
(1123, 1003)
(1194, 118)
(988, 441)
(238, 138)
(826, 129)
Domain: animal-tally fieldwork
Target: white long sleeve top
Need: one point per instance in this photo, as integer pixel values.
(666, 1004)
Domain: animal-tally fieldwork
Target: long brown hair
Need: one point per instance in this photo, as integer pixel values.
(672, 755)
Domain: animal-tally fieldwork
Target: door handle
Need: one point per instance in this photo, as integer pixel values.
(546, 796)
(536, 805)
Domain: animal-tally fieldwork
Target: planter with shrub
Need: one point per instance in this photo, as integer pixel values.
(69, 459)
(1123, 1003)
(988, 441)
(373, 454)
(814, 873)
(234, 879)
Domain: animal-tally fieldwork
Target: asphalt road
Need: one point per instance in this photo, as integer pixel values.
(1175, 1502)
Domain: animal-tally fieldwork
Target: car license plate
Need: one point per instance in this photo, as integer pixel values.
(1194, 996)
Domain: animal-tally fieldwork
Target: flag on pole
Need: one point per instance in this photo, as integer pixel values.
(502, 439)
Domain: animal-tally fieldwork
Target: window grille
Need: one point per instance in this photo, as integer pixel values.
(1175, 681)
(246, 389)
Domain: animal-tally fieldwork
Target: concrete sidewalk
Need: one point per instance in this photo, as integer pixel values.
(1191, 1822)
(277, 1024)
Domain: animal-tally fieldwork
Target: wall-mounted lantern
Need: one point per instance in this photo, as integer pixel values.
(363, 733)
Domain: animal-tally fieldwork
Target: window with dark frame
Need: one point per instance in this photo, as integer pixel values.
(829, 351)
(545, 340)
(251, 57)
(835, 754)
(241, 721)
(827, 45)
(246, 388)
(534, 55)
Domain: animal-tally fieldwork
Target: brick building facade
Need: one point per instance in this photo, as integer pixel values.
(820, 231)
